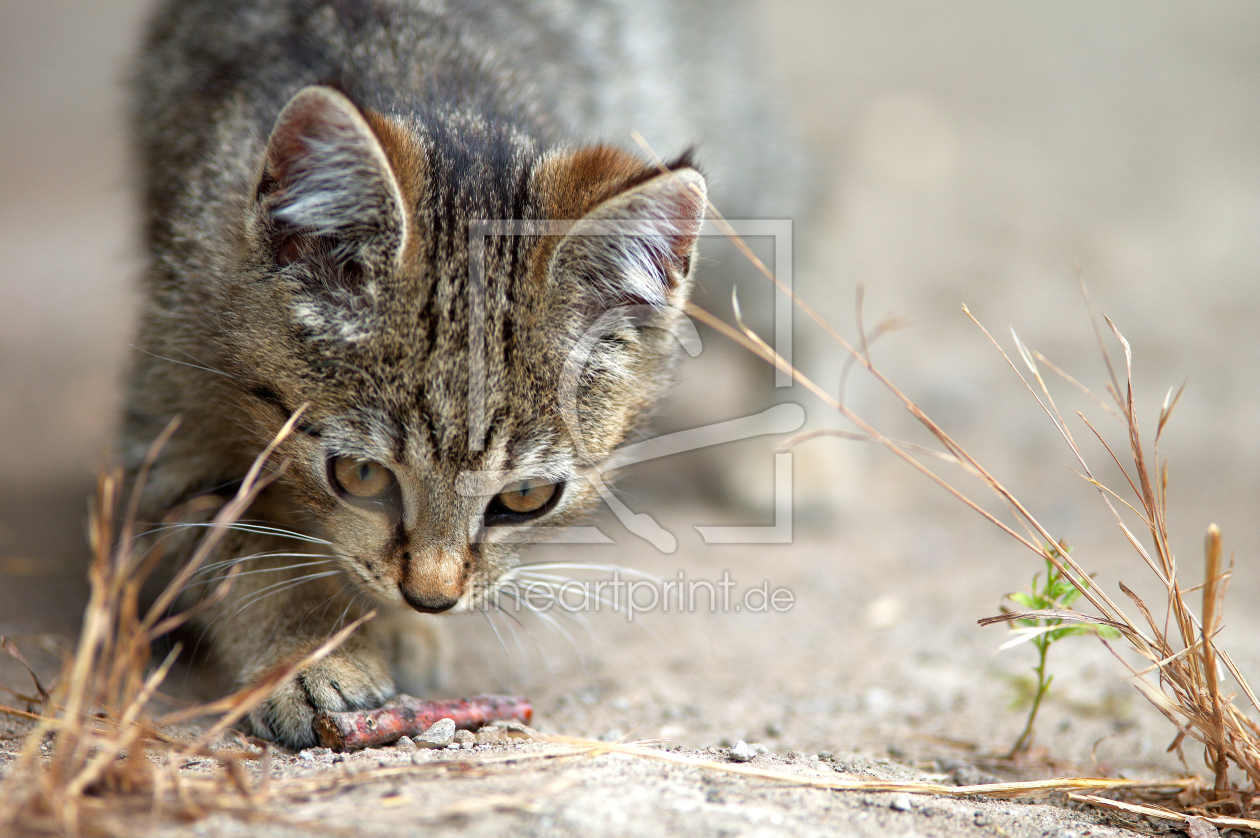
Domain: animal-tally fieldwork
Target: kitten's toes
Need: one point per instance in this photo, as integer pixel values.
(337, 683)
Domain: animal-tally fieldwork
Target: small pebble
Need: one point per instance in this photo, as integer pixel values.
(900, 803)
(489, 735)
(741, 752)
(439, 734)
(514, 729)
(759, 748)
(969, 775)
(306, 756)
(464, 737)
(406, 744)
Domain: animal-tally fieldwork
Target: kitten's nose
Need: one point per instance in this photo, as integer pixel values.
(429, 604)
(433, 579)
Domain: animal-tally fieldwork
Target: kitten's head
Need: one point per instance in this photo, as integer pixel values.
(461, 382)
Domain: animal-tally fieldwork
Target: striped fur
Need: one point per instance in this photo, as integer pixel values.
(310, 173)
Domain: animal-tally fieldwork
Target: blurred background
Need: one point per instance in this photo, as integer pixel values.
(965, 153)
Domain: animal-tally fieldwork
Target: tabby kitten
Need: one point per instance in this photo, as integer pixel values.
(310, 171)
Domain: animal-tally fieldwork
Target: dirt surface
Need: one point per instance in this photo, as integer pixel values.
(967, 154)
(477, 794)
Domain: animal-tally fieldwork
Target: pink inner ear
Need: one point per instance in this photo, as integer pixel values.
(689, 212)
(690, 208)
(684, 206)
(310, 115)
(292, 249)
(281, 154)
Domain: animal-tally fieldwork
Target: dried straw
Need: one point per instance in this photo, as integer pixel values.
(1186, 687)
(108, 759)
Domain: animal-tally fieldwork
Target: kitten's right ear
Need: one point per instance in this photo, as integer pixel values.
(637, 246)
(327, 185)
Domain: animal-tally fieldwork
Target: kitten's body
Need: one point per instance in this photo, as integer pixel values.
(310, 169)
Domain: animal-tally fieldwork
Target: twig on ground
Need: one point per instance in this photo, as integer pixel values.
(407, 716)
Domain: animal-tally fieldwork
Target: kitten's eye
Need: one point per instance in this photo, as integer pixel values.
(522, 500)
(526, 495)
(362, 479)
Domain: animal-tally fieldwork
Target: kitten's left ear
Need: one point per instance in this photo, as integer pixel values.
(326, 177)
(637, 247)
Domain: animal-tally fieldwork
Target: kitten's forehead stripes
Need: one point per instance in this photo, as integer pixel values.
(538, 459)
(510, 178)
(366, 433)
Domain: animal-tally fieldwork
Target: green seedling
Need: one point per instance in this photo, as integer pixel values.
(1054, 592)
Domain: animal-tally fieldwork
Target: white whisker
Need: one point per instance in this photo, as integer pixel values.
(538, 649)
(229, 562)
(253, 529)
(485, 612)
(516, 638)
(278, 587)
(610, 568)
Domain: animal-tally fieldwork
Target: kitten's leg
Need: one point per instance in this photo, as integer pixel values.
(285, 601)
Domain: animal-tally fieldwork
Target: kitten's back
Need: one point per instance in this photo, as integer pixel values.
(680, 73)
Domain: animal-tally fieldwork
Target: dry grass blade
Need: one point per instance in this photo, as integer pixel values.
(109, 762)
(806, 436)
(1187, 691)
(5, 710)
(1013, 790)
(1211, 606)
(1050, 614)
(1160, 813)
(10, 648)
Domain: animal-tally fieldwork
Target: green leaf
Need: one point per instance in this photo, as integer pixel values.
(1023, 599)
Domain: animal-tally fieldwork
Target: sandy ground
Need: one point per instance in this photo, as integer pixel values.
(967, 155)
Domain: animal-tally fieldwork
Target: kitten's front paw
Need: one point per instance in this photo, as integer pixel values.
(339, 682)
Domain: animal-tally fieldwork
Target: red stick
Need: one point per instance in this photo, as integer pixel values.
(406, 716)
